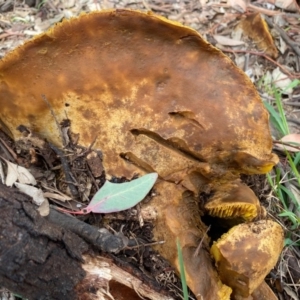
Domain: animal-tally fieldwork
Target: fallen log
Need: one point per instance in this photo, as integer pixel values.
(43, 260)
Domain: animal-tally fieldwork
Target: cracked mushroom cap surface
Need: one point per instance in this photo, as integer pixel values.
(150, 90)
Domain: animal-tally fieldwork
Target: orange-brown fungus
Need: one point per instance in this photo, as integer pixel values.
(233, 200)
(247, 253)
(142, 84)
(158, 97)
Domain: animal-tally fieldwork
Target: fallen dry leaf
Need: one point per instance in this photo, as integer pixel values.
(257, 29)
(239, 5)
(12, 173)
(17, 173)
(44, 208)
(281, 81)
(35, 193)
(60, 197)
(290, 5)
(290, 292)
(223, 40)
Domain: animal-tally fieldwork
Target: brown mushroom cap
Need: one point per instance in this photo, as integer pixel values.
(153, 91)
(246, 254)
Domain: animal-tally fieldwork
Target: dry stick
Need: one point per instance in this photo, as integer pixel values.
(286, 144)
(7, 34)
(55, 119)
(264, 10)
(285, 37)
(292, 15)
(144, 245)
(87, 150)
(9, 152)
(65, 165)
(145, 3)
(92, 176)
(251, 6)
(196, 253)
(159, 8)
(2, 177)
(292, 104)
(292, 75)
(99, 237)
(293, 120)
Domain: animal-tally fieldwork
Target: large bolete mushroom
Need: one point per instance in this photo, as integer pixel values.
(158, 98)
(255, 243)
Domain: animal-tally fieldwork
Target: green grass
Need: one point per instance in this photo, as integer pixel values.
(277, 180)
(182, 272)
(42, 3)
(283, 178)
(19, 19)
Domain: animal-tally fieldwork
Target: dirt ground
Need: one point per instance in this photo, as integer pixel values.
(264, 53)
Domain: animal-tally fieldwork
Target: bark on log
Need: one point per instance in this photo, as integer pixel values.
(37, 261)
(43, 260)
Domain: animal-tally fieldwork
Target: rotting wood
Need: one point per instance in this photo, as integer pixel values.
(37, 261)
(41, 260)
(102, 239)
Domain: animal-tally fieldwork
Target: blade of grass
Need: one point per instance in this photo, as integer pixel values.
(292, 217)
(275, 118)
(297, 159)
(291, 195)
(293, 166)
(290, 242)
(182, 272)
(278, 101)
(292, 85)
(277, 188)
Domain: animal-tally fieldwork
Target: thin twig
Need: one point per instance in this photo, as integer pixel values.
(2, 176)
(264, 10)
(292, 75)
(88, 149)
(296, 104)
(56, 121)
(293, 120)
(9, 152)
(145, 3)
(286, 144)
(7, 34)
(196, 253)
(159, 8)
(65, 165)
(147, 244)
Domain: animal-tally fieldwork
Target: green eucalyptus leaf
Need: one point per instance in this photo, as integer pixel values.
(113, 197)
